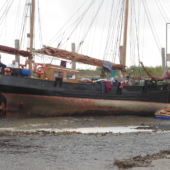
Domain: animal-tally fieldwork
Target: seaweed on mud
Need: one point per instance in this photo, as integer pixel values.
(8, 144)
(141, 161)
(53, 133)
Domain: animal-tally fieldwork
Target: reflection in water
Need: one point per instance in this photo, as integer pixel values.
(101, 130)
(102, 124)
(128, 129)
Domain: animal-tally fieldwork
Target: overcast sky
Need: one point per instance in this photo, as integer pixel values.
(55, 13)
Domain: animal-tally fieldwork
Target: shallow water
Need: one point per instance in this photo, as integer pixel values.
(98, 124)
(102, 130)
(128, 129)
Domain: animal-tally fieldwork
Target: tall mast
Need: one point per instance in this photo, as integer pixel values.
(32, 33)
(125, 36)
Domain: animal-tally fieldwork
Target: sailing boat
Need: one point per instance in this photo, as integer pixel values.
(54, 95)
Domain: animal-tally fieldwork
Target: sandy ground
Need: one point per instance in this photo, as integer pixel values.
(22, 147)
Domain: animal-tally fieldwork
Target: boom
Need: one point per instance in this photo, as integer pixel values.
(55, 52)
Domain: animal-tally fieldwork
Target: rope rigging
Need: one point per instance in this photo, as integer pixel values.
(74, 28)
(114, 32)
(40, 29)
(115, 38)
(110, 29)
(143, 38)
(119, 34)
(92, 38)
(166, 18)
(16, 27)
(132, 53)
(108, 34)
(160, 10)
(167, 4)
(59, 32)
(90, 32)
(136, 31)
(6, 10)
(113, 23)
(3, 18)
(152, 26)
(64, 34)
(4, 5)
(23, 25)
(85, 34)
(104, 25)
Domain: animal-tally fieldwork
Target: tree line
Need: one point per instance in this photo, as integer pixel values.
(156, 71)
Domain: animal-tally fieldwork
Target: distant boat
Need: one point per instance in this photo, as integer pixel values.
(163, 113)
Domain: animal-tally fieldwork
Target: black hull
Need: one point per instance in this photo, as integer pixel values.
(17, 86)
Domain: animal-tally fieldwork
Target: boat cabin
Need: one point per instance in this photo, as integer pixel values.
(50, 72)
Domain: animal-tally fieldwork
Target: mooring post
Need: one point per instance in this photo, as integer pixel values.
(73, 47)
(17, 58)
(163, 61)
(121, 60)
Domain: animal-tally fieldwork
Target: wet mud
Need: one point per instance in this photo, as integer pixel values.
(53, 133)
(78, 122)
(23, 146)
(156, 128)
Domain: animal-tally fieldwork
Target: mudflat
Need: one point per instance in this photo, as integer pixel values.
(31, 144)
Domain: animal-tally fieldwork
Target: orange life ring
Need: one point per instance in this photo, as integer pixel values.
(43, 68)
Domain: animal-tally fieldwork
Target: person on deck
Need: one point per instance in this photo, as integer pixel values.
(14, 64)
(60, 75)
(2, 66)
(23, 66)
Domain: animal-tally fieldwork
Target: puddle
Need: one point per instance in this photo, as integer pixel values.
(33, 125)
(8, 129)
(128, 129)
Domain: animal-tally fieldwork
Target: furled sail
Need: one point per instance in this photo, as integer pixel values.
(55, 52)
(14, 51)
(167, 75)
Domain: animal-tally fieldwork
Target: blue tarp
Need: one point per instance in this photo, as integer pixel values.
(25, 72)
(113, 73)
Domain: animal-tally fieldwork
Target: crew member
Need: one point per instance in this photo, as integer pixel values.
(14, 64)
(24, 65)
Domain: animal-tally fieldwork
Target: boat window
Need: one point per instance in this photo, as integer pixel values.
(71, 76)
(58, 74)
